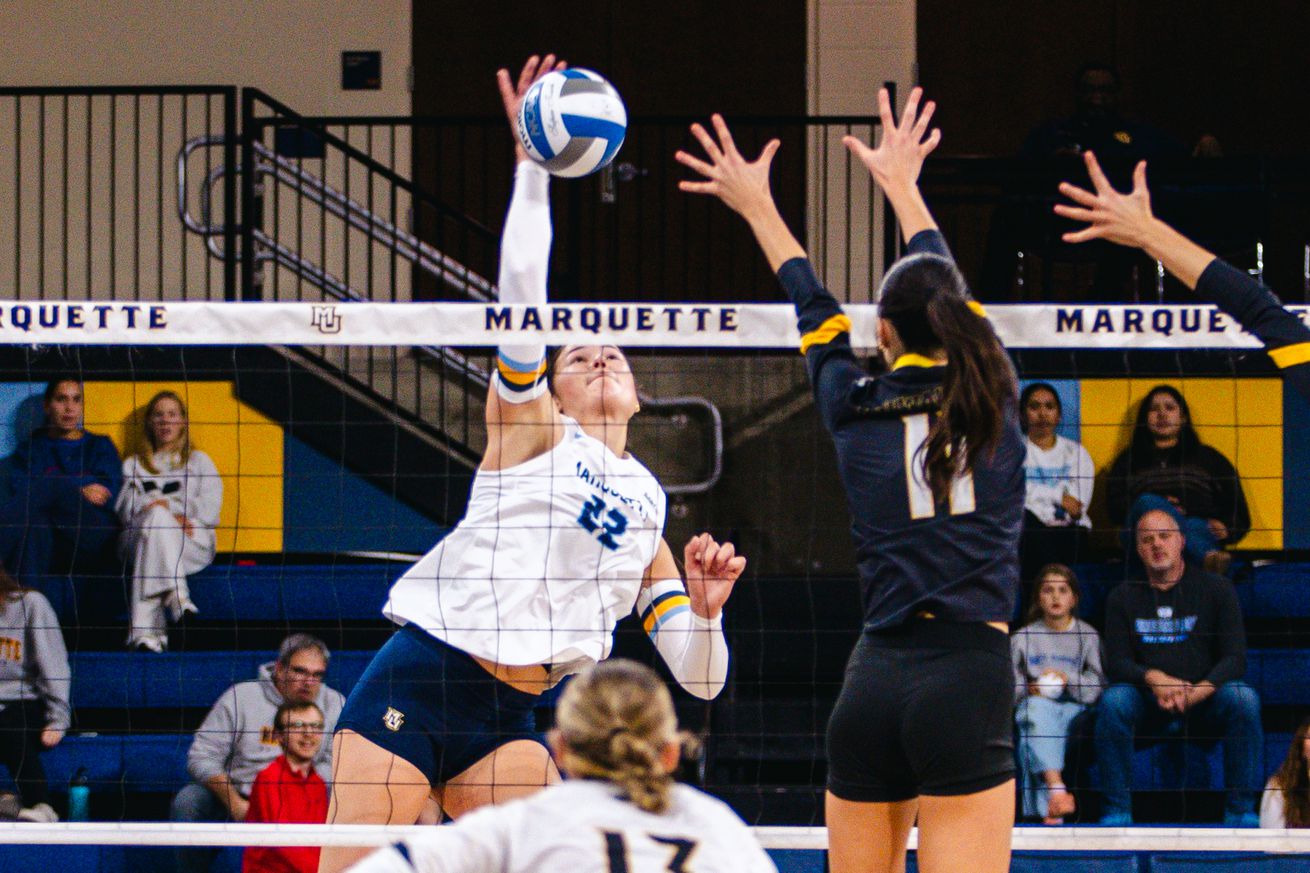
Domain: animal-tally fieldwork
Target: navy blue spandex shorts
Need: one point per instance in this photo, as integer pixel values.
(435, 706)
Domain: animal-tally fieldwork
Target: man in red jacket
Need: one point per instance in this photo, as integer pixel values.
(289, 791)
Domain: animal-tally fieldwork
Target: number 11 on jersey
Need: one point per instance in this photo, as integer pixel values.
(962, 499)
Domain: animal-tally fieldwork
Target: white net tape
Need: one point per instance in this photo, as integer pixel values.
(667, 325)
(1032, 839)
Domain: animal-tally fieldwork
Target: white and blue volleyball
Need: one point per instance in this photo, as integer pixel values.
(572, 122)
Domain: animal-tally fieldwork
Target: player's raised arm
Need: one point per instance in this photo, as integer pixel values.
(685, 619)
(521, 417)
(743, 186)
(1127, 219)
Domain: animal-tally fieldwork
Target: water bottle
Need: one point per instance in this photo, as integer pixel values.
(79, 797)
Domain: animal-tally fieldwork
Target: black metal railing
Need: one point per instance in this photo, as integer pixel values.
(87, 195)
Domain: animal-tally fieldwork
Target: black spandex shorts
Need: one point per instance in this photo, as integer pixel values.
(925, 709)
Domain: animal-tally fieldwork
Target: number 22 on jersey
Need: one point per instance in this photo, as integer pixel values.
(920, 492)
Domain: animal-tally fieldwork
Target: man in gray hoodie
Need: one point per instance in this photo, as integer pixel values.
(236, 740)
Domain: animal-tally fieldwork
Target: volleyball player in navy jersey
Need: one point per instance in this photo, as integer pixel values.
(931, 457)
(1127, 219)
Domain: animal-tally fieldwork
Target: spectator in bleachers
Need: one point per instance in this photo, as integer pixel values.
(1175, 649)
(1167, 466)
(34, 686)
(288, 791)
(1060, 477)
(1286, 801)
(64, 483)
(235, 741)
(169, 507)
(1057, 673)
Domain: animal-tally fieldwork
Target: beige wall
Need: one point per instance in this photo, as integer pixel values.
(854, 46)
(292, 50)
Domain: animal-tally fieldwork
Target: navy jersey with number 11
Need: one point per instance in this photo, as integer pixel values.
(957, 560)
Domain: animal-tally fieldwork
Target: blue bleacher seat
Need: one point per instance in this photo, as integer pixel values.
(144, 679)
(1207, 862)
(293, 592)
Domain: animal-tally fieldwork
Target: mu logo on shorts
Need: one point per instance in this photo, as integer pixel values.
(393, 718)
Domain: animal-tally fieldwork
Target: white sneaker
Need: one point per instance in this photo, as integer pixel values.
(40, 813)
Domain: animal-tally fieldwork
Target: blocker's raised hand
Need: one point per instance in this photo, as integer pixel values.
(896, 162)
(741, 184)
(1125, 219)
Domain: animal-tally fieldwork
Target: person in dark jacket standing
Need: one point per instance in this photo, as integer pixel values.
(1175, 649)
(1167, 465)
(66, 479)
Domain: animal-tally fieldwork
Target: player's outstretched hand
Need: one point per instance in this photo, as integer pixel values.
(712, 570)
(1125, 219)
(511, 93)
(896, 162)
(741, 184)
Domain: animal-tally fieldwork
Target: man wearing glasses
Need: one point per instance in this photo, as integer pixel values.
(239, 738)
(288, 791)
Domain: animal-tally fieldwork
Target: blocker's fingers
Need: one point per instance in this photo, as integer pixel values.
(921, 125)
(1139, 177)
(547, 64)
(708, 557)
(1078, 195)
(707, 142)
(770, 149)
(910, 113)
(885, 111)
(726, 553)
(1099, 182)
(736, 567)
(725, 135)
(934, 139)
(689, 160)
(1076, 213)
(1080, 236)
(698, 187)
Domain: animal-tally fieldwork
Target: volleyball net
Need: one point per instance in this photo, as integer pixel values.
(346, 437)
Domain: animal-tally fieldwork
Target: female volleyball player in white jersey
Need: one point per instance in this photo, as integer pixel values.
(619, 812)
(562, 537)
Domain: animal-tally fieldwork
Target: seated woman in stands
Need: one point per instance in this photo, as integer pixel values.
(1057, 675)
(34, 684)
(1059, 476)
(1166, 463)
(60, 515)
(1286, 800)
(169, 506)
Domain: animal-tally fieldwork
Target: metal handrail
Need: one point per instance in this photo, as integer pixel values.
(408, 247)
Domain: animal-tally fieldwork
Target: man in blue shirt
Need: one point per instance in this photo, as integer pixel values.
(1175, 649)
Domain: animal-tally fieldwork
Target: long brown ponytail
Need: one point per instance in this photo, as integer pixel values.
(926, 300)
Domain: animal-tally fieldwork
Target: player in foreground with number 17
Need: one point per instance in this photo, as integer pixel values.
(562, 538)
(931, 457)
(620, 810)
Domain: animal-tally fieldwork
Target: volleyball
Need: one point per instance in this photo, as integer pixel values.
(572, 122)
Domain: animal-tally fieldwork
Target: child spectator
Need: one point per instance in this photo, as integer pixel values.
(288, 791)
(1060, 476)
(1057, 670)
(65, 481)
(34, 686)
(169, 507)
(1286, 801)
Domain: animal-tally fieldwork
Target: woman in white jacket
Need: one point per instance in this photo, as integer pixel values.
(1060, 476)
(169, 505)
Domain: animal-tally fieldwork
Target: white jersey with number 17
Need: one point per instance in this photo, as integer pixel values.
(548, 558)
(582, 826)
